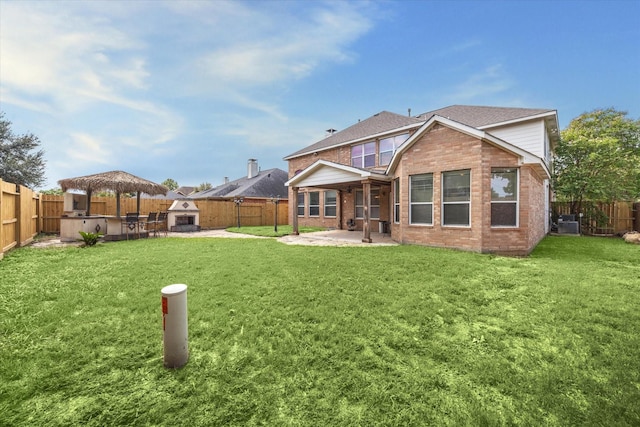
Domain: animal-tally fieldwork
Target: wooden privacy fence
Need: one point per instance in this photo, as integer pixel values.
(19, 212)
(602, 218)
(214, 213)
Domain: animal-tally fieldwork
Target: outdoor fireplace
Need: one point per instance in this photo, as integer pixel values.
(183, 216)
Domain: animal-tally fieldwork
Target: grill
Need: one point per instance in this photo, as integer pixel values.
(183, 216)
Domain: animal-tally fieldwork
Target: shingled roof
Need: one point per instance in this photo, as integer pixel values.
(479, 117)
(266, 183)
(381, 122)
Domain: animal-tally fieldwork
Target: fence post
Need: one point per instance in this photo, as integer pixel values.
(636, 216)
(1, 222)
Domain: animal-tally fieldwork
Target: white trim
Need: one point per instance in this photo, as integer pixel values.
(517, 201)
(521, 119)
(442, 202)
(351, 174)
(525, 156)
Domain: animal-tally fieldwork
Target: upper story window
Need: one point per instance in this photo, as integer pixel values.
(363, 155)
(388, 147)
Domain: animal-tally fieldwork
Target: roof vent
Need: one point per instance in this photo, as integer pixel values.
(330, 132)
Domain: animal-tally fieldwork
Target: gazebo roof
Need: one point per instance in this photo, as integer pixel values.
(118, 181)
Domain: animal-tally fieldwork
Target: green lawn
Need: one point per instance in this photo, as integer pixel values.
(322, 336)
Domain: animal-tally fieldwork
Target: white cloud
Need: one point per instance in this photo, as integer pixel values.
(487, 83)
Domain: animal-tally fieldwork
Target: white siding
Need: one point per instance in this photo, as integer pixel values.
(326, 175)
(528, 136)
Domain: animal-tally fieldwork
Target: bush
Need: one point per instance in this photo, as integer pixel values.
(90, 239)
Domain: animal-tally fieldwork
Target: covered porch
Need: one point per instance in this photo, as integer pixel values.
(347, 181)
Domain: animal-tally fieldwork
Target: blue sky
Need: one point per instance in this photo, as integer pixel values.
(190, 90)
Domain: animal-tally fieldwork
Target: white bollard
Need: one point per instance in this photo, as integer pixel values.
(174, 325)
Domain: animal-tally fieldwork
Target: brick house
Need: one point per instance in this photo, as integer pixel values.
(463, 177)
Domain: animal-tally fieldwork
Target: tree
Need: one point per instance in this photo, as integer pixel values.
(203, 186)
(18, 164)
(598, 159)
(170, 184)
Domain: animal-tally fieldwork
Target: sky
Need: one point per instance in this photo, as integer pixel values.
(190, 90)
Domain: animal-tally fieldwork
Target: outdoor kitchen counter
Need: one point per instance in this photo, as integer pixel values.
(71, 226)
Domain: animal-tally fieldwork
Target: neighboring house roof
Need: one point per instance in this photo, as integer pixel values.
(377, 124)
(478, 117)
(185, 191)
(267, 183)
(171, 195)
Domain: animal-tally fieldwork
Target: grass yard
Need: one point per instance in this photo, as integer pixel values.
(322, 336)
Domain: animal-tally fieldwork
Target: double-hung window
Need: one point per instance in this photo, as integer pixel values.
(314, 203)
(396, 200)
(363, 155)
(456, 198)
(300, 204)
(504, 197)
(421, 199)
(388, 146)
(330, 203)
(359, 204)
(374, 204)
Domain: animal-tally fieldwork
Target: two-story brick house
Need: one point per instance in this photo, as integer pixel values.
(465, 177)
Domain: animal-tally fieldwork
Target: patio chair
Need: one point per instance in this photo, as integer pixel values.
(151, 223)
(130, 223)
(161, 222)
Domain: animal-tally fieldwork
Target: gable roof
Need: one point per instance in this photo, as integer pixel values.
(479, 117)
(267, 183)
(525, 156)
(380, 123)
(326, 173)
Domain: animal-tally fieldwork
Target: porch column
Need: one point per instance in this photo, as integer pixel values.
(339, 208)
(294, 219)
(366, 200)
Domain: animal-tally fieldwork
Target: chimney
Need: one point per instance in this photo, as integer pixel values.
(252, 168)
(226, 179)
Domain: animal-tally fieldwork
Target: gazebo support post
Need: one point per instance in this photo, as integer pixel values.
(89, 202)
(138, 202)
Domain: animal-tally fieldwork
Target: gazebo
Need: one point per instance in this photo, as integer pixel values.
(117, 181)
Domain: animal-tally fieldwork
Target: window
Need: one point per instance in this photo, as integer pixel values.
(375, 204)
(300, 204)
(456, 198)
(330, 203)
(359, 204)
(504, 197)
(388, 147)
(374, 213)
(314, 203)
(421, 199)
(363, 155)
(396, 200)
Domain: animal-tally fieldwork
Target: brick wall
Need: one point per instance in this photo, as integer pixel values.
(440, 150)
